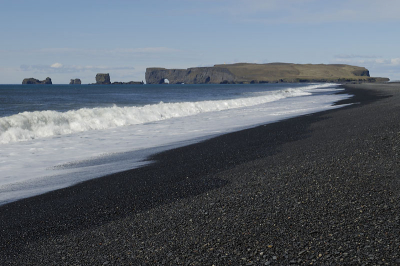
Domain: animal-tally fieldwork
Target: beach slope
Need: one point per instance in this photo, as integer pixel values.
(322, 188)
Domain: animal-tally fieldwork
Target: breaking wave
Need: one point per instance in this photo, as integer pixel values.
(40, 124)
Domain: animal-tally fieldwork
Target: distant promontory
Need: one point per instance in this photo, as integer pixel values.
(245, 73)
(36, 81)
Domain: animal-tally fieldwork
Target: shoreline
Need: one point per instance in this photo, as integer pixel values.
(119, 148)
(287, 192)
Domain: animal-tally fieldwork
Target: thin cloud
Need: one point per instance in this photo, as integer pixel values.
(56, 65)
(146, 50)
(395, 61)
(132, 53)
(59, 68)
(369, 61)
(311, 11)
(364, 60)
(378, 67)
(347, 56)
(102, 52)
(380, 61)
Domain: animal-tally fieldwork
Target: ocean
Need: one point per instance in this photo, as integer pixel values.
(54, 136)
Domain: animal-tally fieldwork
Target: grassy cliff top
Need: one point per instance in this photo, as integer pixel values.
(287, 71)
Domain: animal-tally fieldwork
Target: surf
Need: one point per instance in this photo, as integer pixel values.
(41, 124)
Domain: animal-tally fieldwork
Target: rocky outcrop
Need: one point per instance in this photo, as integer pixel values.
(75, 82)
(197, 75)
(103, 78)
(36, 81)
(244, 73)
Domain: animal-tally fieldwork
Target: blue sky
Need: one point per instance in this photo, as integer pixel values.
(77, 39)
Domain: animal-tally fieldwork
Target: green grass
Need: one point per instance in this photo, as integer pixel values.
(272, 72)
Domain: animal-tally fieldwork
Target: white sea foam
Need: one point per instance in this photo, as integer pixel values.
(34, 125)
(43, 164)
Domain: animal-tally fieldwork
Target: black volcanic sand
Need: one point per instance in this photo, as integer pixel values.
(317, 189)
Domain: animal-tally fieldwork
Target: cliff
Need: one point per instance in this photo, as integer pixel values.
(243, 73)
(103, 78)
(36, 81)
(197, 75)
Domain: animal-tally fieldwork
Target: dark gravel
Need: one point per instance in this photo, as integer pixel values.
(320, 189)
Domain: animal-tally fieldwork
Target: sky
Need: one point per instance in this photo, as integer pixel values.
(72, 39)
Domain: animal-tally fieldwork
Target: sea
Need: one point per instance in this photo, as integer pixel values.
(55, 136)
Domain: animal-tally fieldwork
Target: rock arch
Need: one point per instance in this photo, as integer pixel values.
(197, 75)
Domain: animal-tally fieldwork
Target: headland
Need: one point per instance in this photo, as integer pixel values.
(244, 73)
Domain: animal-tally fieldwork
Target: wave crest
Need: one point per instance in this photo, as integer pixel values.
(32, 125)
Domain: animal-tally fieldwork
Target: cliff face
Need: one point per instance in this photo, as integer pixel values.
(197, 75)
(361, 72)
(103, 78)
(260, 73)
(36, 81)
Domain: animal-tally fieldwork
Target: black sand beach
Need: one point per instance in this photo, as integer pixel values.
(320, 189)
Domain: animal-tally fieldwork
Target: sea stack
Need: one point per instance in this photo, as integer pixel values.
(75, 82)
(103, 78)
(36, 81)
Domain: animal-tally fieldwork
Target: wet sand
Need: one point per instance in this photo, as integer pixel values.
(321, 188)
